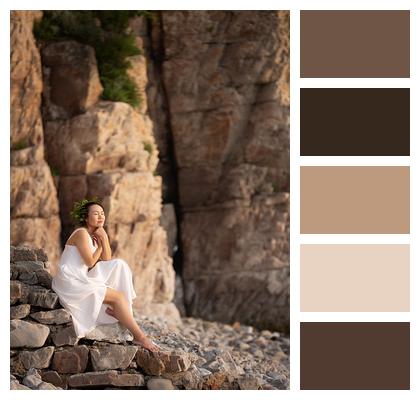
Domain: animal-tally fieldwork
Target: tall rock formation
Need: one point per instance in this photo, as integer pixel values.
(33, 197)
(224, 93)
(107, 149)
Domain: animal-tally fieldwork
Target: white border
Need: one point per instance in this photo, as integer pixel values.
(294, 6)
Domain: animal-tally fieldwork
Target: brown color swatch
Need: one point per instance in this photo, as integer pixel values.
(355, 43)
(356, 199)
(355, 122)
(355, 277)
(355, 355)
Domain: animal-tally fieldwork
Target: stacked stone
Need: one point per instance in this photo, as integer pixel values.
(46, 353)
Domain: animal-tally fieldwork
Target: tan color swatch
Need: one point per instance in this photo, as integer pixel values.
(355, 277)
(356, 199)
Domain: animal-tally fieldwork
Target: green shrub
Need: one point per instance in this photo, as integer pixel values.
(148, 147)
(21, 144)
(106, 32)
(121, 88)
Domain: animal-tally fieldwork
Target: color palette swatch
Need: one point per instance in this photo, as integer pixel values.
(356, 199)
(355, 43)
(355, 122)
(362, 197)
(355, 355)
(355, 277)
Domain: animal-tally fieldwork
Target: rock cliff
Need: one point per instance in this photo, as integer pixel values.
(219, 81)
(196, 176)
(34, 210)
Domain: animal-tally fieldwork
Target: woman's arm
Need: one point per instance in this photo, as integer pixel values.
(81, 240)
(106, 248)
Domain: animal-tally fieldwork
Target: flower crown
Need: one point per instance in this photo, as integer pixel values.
(80, 209)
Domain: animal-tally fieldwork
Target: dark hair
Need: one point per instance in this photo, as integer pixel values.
(80, 210)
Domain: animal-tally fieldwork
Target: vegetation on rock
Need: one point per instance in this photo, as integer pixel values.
(107, 31)
(21, 144)
(148, 147)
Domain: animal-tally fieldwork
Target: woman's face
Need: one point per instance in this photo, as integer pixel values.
(96, 216)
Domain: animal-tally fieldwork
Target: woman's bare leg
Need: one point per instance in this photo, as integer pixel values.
(121, 311)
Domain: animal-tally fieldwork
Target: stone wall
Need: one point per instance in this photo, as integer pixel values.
(46, 353)
(45, 350)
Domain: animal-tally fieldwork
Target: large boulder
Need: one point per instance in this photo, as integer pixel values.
(109, 135)
(25, 82)
(71, 79)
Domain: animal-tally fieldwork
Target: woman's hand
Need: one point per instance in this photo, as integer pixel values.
(101, 233)
(97, 240)
(102, 237)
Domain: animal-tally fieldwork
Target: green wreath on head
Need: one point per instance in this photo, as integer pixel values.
(81, 209)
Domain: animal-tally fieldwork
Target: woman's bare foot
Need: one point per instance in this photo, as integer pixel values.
(143, 342)
(146, 343)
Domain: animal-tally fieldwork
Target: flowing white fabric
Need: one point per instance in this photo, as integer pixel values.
(81, 291)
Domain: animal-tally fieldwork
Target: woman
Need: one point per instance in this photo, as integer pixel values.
(88, 279)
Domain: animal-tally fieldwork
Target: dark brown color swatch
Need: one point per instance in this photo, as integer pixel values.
(355, 43)
(355, 355)
(355, 122)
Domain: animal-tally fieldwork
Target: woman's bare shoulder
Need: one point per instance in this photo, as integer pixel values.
(76, 235)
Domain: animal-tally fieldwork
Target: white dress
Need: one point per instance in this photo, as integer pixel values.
(81, 291)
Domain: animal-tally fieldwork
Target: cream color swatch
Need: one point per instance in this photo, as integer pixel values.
(349, 277)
